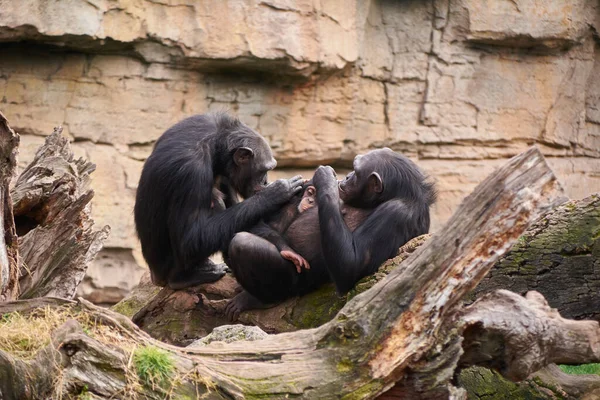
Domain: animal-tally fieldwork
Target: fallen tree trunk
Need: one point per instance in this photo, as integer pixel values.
(548, 383)
(180, 317)
(86, 362)
(558, 256)
(405, 329)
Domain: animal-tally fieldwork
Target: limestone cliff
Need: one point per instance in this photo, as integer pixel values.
(457, 85)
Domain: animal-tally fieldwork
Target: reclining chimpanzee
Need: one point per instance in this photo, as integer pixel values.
(386, 203)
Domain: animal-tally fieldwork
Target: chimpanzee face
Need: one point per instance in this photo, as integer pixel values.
(308, 199)
(363, 186)
(249, 174)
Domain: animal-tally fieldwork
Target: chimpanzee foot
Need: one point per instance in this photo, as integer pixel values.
(157, 280)
(243, 301)
(206, 273)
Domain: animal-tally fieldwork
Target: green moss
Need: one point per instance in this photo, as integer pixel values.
(345, 365)
(550, 386)
(125, 307)
(483, 383)
(365, 391)
(317, 308)
(138, 299)
(154, 366)
(583, 369)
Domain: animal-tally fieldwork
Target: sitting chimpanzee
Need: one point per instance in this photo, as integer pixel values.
(386, 203)
(186, 205)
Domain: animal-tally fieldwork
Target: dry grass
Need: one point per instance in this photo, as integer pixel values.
(24, 335)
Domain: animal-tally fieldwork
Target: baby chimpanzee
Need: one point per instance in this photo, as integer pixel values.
(294, 232)
(274, 228)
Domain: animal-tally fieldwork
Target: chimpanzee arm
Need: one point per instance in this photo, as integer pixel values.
(263, 230)
(196, 231)
(352, 255)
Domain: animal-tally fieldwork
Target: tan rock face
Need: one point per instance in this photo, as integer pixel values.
(457, 85)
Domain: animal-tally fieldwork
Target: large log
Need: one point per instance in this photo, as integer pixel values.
(87, 364)
(402, 330)
(9, 254)
(180, 317)
(558, 256)
(57, 241)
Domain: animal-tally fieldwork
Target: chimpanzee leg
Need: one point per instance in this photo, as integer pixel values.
(244, 301)
(206, 272)
(266, 276)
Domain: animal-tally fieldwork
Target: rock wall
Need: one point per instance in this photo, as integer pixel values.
(457, 85)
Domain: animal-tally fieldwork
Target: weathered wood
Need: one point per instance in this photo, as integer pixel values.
(574, 386)
(380, 336)
(180, 317)
(558, 256)
(520, 335)
(106, 370)
(9, 254)
(56, 236)
(376, 337)
(549, 383)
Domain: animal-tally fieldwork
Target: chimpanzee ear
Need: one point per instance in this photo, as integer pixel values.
(375, 182)
(242, 155)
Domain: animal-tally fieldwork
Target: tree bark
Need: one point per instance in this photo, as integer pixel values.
(57, 241)
(9, 254)
(518, 336)
(542, 259)
(549, 383)
(403, 329)
(181, 317)
(103, 370)
(558, 256)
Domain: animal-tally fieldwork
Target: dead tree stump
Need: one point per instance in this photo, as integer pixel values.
(9, 254)
(57, 241)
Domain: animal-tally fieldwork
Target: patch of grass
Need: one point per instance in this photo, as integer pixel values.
(84, 394)
(583, 369)
(23, 335)
(154, 366)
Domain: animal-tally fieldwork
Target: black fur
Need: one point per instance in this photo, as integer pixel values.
(186, 204)
(387, 200)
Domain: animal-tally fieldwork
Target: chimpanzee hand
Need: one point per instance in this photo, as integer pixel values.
(325, 179)
(282, 190)
(296, 258)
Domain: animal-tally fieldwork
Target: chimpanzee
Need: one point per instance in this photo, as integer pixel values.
(186, 205)
(273, 228)
(386, 201)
